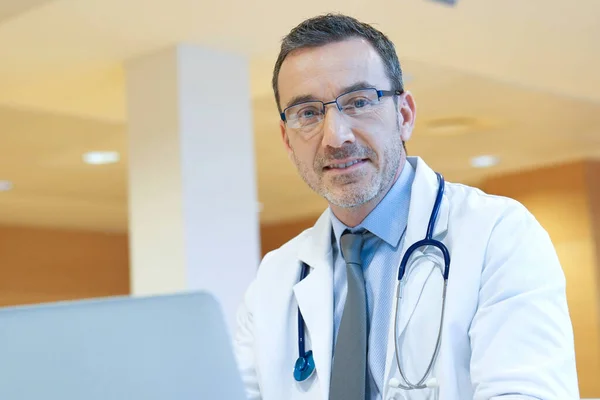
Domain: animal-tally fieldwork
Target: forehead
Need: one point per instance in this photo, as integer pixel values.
(322, 72)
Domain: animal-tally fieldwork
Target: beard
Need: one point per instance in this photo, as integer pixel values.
(351, 190)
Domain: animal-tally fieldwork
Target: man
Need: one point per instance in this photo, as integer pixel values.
(505, 326)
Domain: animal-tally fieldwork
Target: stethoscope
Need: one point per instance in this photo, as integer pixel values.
(305, 364)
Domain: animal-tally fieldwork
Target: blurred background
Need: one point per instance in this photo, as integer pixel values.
(140, 149)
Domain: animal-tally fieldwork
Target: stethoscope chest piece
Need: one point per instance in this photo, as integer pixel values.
(304, 367)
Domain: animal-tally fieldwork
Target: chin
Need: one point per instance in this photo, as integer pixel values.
(350, 198)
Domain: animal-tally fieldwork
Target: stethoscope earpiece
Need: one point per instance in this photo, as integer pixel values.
(304, 367)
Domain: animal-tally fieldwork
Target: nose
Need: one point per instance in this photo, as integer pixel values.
(336, 129)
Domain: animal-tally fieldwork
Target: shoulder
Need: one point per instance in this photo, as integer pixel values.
(481, 206)
(310, 239)
(276, 270)
(284, 260)
(512, 234)
(279, 268)
(283, 254)
(498, 224)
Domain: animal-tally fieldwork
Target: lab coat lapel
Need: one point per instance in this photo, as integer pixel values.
(423, 195)
(314, 295)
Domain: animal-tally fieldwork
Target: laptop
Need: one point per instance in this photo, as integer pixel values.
(120, 348)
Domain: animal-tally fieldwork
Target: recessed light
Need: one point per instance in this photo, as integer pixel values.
(458, 125)
(5, 186)
(452, 126)
(485, 161)
(101, 157)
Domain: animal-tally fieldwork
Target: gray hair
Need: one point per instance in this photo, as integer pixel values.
(331, 28)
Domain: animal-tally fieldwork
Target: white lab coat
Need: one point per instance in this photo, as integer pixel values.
(507, 333)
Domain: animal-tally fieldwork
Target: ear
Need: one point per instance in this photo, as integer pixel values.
(407, 115)
(285, 138)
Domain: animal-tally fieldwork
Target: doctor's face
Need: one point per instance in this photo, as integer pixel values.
(348, 157)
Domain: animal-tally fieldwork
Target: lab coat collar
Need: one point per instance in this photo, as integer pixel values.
(424, 192)
(314, 295)
(315, 249)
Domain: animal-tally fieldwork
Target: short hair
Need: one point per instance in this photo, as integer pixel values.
(330, 28)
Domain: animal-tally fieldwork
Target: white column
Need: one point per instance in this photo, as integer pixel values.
(193, 211)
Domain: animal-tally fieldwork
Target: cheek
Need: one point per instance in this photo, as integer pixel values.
(381, 117)
(380, 140)
(379, 124)
(304, 151)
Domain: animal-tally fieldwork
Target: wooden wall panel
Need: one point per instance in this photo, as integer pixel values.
(41, 265)
(593, 185)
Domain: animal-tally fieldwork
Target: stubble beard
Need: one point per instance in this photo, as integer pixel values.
(350, 190)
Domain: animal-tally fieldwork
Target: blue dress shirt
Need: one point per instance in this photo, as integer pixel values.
(381, 257)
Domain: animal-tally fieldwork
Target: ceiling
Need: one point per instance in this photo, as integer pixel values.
(515, 79)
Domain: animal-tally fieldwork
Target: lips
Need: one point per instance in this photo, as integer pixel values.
(344, 165)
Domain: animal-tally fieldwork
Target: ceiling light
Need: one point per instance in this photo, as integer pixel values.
(453, 126)
(446, 2)
(5, 186)
(486, 161)
(101, 157)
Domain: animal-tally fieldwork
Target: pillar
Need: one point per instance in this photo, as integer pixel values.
(193, 215)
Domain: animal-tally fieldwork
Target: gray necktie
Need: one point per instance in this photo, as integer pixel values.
(348, 374)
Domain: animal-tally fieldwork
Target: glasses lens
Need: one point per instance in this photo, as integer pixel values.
(305, 115)
(359, 101)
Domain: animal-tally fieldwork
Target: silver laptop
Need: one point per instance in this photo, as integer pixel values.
(123, 348)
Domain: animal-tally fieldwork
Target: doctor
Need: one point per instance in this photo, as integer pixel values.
(407, 287)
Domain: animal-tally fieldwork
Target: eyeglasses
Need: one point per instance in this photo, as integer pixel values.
(307, 116)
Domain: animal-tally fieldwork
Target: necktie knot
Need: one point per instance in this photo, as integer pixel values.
(351, 245)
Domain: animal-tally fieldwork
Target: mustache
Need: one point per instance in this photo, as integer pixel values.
(331, 155)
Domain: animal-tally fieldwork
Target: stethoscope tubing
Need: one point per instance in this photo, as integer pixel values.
(421, 384)
(304, 366)
(428, 241)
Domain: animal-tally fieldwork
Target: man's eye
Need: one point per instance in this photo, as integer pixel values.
(308, 113)
(359, 103)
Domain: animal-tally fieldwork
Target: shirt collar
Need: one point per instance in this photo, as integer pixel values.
(389, 219)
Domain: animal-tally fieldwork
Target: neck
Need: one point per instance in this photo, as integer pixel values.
(352, 217)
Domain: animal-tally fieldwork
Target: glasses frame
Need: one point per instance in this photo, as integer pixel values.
(380, 94)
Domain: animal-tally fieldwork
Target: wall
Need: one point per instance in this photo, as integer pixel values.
(592, 175)
(40, 265)
(44, 265)
(560, 200)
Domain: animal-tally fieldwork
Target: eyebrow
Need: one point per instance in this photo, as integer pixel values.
(309, 97)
